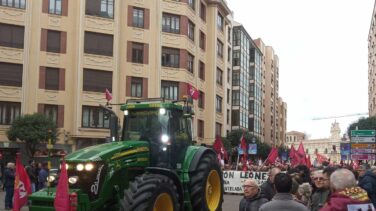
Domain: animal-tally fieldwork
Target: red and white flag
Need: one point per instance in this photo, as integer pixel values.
(61, 202)
(192, 91)
(273, 155)
(108, 95)
(22, 186)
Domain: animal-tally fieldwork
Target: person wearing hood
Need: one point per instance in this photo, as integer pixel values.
(368, 183)
(252, 198)
(345, 194)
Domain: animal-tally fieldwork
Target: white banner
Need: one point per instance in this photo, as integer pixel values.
(233, 180)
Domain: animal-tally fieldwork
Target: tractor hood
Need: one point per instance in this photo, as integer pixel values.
(107, 150)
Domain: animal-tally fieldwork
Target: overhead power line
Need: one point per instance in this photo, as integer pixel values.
(340, 116)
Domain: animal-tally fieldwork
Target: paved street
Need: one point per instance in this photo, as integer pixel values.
(231, 202)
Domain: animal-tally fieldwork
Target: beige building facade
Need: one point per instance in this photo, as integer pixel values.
(372, 65)
(58, 57)
(329, 147)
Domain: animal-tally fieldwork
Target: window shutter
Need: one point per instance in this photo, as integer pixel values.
(42, 77)
(62, 79)
(60, 116)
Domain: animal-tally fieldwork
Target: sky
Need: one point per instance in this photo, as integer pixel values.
(322, 47)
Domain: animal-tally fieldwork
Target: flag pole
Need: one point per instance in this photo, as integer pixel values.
(237, 162)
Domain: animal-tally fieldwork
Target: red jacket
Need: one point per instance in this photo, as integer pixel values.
(339, 200)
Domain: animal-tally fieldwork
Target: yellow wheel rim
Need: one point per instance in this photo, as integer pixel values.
(213, 190)
(163, 203)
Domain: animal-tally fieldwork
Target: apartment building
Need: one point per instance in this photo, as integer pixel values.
(372, 65)
(270, 95)
(57, 57)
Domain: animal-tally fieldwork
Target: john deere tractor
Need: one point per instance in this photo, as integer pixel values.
(155, 166)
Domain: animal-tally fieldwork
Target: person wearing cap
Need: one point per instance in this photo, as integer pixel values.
(252, 198)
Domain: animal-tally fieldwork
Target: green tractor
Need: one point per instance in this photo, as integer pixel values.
(155, 166)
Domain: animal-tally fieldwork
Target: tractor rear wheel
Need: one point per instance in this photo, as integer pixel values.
(151, 192)
(206, 185)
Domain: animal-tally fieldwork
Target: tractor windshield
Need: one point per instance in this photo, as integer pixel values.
(147, 125)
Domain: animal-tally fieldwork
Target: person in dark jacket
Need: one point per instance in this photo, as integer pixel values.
(252, 198)
(9, 175)
(42, 176)
(321, 194)
(31, 170)
(368, 183)
(267, 189)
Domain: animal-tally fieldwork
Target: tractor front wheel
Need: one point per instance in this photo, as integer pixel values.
(206, 185)
(151, 192)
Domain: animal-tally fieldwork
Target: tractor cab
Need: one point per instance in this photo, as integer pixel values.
(166, 126)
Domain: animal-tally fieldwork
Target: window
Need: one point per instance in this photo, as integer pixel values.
(203, 11)
(53, 41)
(200, 128)
(202, 40)
(229, 34)
(229, 54)
(54, 7)
(235, 118)
(191, 62)
(228, 96)
(201, 73)
(137, 52)
(220, 21)
(218, 129)
(218, 104)
(97, 80)
(236, 58)
(136, 87)
(228, 116)
(170, 57)
(191, 30)
(219, 49)
(235, 97)
(219, 76)
(228, 75)
(236, 78)
(9, 111)
(101, 8)
(11, 35)
(52, 79)
(94, 117)
(170, 90)
(170, 23)
(10, 74)
(51, 112)
(201, 99)
(97, 43)
(191, 4)
(138, 17)
(20, 4)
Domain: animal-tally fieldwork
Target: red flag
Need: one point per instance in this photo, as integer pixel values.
(22, 187)
(61, 202)
(308, 161)
(243, 146)
(300, 154)
(273, 154)
(293, 158)
(192, 91)
(321, 158)
(218, 148)
(108, 95)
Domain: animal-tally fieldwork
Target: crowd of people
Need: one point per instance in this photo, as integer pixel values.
(327, 188)
(37, 173)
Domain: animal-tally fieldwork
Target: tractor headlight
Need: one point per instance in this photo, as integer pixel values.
(162, 111)
(165, 139)
(73, 180)
(66, 166)
(89, 167)
(80, 167)
(125, 112)
(51, 178)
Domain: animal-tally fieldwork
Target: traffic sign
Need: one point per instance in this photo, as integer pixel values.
(363, 157)
(363, 133)
(363, 146)
(363, 139)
